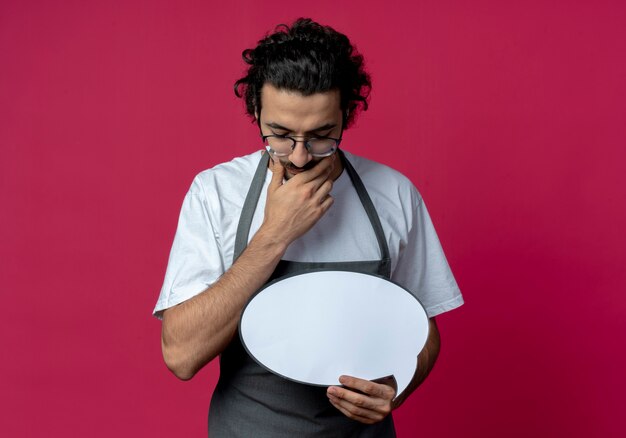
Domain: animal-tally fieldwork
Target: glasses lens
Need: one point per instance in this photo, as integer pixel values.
(318, 147)
(280, 146)
(322, 147)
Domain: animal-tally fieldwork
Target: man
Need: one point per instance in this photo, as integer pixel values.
(301, 204)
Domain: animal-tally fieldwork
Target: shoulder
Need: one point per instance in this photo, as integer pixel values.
(384, 180)
(226, 177)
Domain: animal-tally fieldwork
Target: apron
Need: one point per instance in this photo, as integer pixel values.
(250, 401)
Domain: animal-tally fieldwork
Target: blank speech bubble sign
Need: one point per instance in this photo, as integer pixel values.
(314, 327)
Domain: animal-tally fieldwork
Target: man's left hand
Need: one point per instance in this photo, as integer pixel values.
(362, 400)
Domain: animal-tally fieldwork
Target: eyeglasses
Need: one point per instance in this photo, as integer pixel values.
(283, 145)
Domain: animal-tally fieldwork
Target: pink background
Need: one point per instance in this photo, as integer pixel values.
(508, 116)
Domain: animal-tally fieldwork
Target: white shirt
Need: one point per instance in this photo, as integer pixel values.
(204, 242)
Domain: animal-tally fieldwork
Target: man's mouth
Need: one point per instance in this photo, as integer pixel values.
(293, 169)
(289, 167)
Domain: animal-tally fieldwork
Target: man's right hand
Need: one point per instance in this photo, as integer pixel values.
(293, 207)
(197, 330)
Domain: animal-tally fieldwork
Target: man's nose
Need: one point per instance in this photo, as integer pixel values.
(300, 155)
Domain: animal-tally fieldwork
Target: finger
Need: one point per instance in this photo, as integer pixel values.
(349, 414)
(363, 415)
(326, 203)
(357, 399)
(317, 182)
(323, 191)
(278, 173)
(378, 390)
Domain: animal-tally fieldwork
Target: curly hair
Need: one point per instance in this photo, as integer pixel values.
(308, 58)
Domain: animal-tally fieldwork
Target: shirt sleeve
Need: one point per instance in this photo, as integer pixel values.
(195, 260)
(422, 266)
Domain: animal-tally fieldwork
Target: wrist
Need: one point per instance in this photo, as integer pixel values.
(270, 242)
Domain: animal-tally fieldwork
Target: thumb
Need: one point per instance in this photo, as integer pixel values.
(278, 173)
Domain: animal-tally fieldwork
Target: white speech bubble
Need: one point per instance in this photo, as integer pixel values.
(314, 327)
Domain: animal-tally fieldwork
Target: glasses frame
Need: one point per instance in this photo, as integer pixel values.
(303, 139)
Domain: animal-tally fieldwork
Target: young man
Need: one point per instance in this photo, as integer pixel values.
(303, 203)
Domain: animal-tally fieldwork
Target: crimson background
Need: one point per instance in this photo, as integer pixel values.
(508, 116)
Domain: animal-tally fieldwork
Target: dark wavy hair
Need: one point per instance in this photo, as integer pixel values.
(308, 58)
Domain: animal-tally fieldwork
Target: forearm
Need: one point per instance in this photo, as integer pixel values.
(425, 362)
(197, 330)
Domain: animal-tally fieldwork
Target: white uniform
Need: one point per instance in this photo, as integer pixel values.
(204, 243)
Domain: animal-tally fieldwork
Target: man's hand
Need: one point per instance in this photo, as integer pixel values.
(362, 400)
(294, 207)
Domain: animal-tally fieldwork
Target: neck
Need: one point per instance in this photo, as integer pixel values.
(336, 173)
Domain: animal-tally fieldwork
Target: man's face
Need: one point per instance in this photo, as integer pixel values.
(290, 113)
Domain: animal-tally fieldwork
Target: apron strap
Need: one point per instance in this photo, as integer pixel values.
(249, 206)
(368, 205)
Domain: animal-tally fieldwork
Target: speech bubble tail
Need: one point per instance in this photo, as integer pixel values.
(403, 378)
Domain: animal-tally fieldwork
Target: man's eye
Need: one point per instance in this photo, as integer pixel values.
(322, 136)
